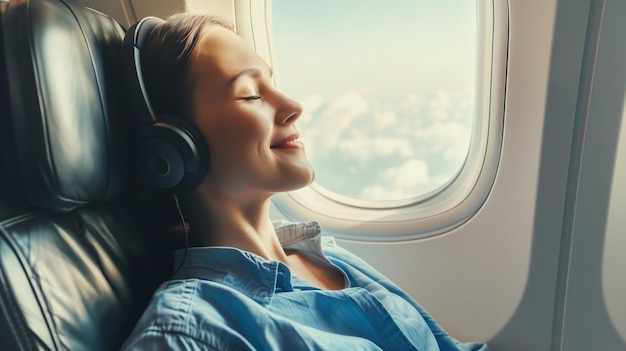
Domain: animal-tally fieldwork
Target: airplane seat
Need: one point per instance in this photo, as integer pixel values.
(78, 258)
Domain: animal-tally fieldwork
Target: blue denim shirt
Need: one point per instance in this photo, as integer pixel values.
(227, 299)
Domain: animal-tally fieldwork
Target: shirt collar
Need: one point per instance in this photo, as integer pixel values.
(244, 271)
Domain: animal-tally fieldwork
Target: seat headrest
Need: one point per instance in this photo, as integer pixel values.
(67, 103)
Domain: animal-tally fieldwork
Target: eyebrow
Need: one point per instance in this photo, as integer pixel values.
(252, 72)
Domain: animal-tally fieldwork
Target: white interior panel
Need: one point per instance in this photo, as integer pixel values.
(161, 9)
(221, 8)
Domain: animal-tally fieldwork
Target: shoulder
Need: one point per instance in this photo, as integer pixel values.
(343, 257)
(362, 274)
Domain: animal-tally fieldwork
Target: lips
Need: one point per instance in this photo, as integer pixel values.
(287, 143)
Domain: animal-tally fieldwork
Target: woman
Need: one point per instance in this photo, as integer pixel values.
(246, 283)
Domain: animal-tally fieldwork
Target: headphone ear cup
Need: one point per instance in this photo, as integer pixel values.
(171, 155)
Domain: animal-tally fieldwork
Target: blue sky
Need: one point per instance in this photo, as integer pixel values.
(387, 88)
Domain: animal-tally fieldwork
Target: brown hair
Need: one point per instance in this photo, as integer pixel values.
(165, 60)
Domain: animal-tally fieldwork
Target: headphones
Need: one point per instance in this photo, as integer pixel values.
(171, 155)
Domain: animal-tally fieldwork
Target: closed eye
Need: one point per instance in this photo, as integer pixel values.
(250, 98)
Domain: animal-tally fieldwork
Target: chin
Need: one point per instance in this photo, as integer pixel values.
(302, 177)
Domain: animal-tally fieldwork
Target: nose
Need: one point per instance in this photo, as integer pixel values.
(288, 111)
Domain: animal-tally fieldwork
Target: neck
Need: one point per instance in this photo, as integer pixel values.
(219, 220)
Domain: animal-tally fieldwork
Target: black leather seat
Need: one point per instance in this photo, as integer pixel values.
(77, 260)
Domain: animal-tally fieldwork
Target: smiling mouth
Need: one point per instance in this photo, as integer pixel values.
(290, 142)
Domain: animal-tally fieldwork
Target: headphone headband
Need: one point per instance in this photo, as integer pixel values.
(135, 38)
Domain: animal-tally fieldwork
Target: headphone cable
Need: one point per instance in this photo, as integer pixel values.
(182, 219)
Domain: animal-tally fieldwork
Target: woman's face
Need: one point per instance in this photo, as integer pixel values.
(248, 125)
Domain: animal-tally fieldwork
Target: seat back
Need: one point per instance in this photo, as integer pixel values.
(77, 260)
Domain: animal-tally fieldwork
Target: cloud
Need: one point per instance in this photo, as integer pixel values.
(385, 120)
(368, 148)
(310, 104)
(439, 105)
(397, 150)
(464, 104)
(445, 137)
(350, 104)
(330, 120)
(410, 174)
(399, 182)
(410, 179)
(413, 103)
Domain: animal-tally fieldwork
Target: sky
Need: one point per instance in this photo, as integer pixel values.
(387, 90)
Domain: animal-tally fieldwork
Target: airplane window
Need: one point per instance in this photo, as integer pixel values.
(387, 89)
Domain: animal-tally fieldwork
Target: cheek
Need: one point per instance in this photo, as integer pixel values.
(237, 135)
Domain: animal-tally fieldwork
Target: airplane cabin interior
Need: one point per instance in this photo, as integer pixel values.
(523, 250)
